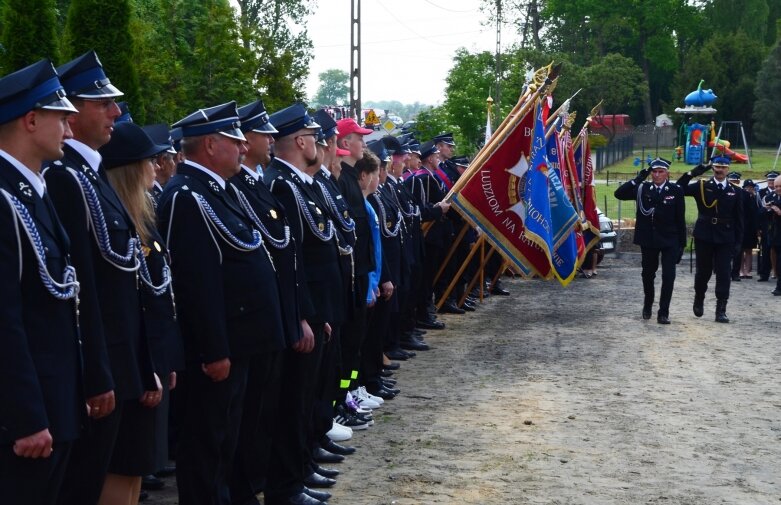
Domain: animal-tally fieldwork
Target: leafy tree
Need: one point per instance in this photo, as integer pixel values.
(767, 109)
(29, 33)
(731, 16)
(334, 88)
(109, 35)
(281, 57)
(405, 111)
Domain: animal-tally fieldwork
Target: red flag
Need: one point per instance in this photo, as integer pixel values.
(589, 193)
(492, 198)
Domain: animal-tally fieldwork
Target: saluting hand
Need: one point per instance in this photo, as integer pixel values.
(643, 174)
(701, 169)
(37, 445)
(218, 370)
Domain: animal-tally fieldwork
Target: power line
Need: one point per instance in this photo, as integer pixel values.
(446, 9)
(391, 14)
(400, 40)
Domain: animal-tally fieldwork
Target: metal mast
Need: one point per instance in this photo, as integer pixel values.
(355, 59)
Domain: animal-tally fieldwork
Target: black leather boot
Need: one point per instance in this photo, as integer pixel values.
(698, 308)
(648, 304)
(721, 311)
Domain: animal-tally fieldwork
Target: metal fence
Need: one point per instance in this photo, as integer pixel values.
(657, 141)
(614, 152)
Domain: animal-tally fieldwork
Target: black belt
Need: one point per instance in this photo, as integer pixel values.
(716, 220)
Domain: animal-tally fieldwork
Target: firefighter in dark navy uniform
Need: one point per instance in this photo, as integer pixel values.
(227, 298)
(717, 232)
(40, 366)
(660, 230)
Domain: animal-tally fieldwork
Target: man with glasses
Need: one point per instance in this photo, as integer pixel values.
(227, 298)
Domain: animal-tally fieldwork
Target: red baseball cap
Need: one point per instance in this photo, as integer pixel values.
(348, 125)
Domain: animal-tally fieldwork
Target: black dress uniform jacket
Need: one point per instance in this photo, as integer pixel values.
(720, 218)
(110, 314)
(321, 291)
(428, 190)
(272, 214)
(40, 364)
(664, 223)
(227, 299)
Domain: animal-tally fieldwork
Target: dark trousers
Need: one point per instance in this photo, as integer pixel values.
(254, 444)
(650, 264)
(431, 263)
(371, 354)
(353, 331)
(89, 460)
(713, 257)
(765, 265)
(209, 434)
(408, 300)
(32, 481)
(291, 443)
(327, 391)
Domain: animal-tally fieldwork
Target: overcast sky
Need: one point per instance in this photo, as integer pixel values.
(407, 46)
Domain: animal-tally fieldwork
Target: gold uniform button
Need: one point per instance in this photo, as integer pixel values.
(321, 226)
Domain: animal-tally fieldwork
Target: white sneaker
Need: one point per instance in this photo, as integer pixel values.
(364, 395)
(363, 406)
(339, 433)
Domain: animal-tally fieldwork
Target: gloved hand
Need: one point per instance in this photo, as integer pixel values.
(701, 169)
(642, 175)
(680, 254)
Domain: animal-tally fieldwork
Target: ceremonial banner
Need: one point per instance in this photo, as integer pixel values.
(492, 198)
(567, 256)
(586, 172)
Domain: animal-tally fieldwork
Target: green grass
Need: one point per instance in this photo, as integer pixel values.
(609, 178)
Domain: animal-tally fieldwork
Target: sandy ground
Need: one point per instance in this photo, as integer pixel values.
(565, 396)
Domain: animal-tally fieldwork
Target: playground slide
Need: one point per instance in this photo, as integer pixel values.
(724, 148)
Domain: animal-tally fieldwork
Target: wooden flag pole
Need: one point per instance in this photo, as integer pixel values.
(452, 251)
(480, 275)
(460, 272)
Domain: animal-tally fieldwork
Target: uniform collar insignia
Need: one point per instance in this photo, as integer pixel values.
(214, 186)
(250, 180)
(26, 189)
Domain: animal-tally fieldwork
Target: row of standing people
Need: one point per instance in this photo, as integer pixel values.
(270, 284)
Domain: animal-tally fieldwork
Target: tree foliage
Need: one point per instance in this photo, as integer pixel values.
(334, 88)
(110, 36)
(28, 33)
(767, 108)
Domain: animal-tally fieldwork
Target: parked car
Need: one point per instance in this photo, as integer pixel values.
(408, 126)
(396, 120)
(607, 236)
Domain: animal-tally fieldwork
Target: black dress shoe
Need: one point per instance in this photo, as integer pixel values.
(393, 365)
(662, 319)
(151, 483)
(762, 279)
(323, 456)
(325, 472)
(317, 495)
(381, 392)
(450, 308)
(396, 354)
(698, 306)
(646, 312)
(499, 290)
(390, 388)
(430, 324)
(410, 354)
(418, 332)
(776, 292)
(736, 278)
(468, 306)
(314, 479)
(166, 471)
(334, 448)
(297, 499)
(387, 382)
(386, 373)
(413, 345)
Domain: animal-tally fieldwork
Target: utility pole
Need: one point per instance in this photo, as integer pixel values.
(355, 59)
(498, 69)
